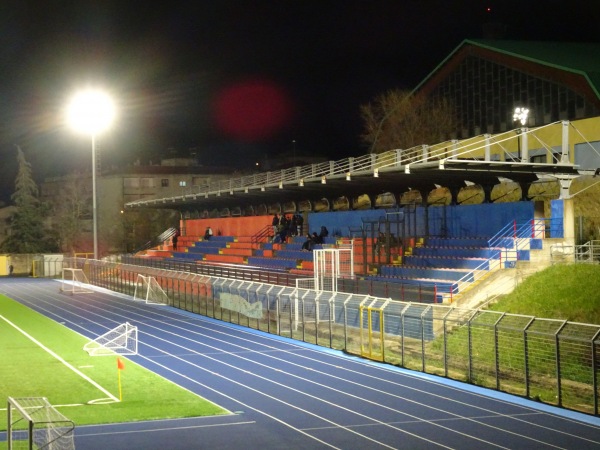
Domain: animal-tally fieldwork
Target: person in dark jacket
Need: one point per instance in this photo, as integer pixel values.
(309, 244)
(324, 232)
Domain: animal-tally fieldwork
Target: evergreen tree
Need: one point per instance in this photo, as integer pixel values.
(27, 230)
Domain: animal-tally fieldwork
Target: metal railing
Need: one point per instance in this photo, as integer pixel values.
(552, 361)
(485, 148)
(588, 252)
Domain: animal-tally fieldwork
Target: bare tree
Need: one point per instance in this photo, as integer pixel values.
(398, 119)
(71, 210)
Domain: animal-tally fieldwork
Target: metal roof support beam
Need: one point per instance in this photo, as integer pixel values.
(488, 151)
(564, 154)
(454, 148)
(524, 145)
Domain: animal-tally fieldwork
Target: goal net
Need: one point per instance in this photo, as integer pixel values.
(74, 281)
(148, 290)
(121, 340)
(33, 423)
(331, 264)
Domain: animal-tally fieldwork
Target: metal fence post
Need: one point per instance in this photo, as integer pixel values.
(557, 353)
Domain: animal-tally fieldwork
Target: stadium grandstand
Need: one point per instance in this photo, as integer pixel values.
(399, 209)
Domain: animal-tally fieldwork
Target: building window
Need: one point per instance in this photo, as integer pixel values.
(148, 182)
(164, 182)
(131, 182)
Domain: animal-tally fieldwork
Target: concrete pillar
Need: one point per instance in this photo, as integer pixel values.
(569, 221)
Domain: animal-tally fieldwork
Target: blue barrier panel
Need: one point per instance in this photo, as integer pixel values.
(448, 221)
(536, 244)
(557, 214)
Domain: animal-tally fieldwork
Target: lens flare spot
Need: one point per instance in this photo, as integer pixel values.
(252, 110)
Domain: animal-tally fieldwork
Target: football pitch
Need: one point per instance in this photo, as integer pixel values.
(43, 358)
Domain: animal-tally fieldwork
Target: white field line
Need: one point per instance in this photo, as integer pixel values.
(42, 346)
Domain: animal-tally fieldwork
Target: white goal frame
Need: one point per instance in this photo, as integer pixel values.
(74, 281)
(122, 340)
(33, 423)
(330, 264)
(150, 291)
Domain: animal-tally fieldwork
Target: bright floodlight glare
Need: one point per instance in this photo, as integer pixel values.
(91, 112)
(520, 115)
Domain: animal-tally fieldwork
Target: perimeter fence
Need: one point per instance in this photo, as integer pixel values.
(552, 361)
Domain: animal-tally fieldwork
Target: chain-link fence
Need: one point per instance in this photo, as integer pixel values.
(552, 361)
(587, 228)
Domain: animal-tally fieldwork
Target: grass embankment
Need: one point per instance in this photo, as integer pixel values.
(567, 292)
(42, 358)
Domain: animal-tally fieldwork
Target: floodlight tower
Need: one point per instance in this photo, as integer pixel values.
(91, 111)
(520, 115)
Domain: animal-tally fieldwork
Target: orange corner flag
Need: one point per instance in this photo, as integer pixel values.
(120, 364)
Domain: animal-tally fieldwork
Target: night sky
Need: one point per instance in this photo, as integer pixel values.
(232, 81)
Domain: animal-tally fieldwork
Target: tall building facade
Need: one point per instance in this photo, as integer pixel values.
(485, 80)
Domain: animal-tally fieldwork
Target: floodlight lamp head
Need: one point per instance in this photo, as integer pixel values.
(521, 115)
(91, 111)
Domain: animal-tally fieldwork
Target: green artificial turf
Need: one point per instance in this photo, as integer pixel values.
(44, 368)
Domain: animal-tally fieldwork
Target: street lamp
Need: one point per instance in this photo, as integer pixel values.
(91, 112)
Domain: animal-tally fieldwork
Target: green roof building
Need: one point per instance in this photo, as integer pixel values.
(487, 79)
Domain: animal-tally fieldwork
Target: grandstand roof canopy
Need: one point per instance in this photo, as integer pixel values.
(320, 181)
(367, 174)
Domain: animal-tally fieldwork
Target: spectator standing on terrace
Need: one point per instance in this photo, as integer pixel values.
(283, 222)
(275, 224)
(208, 233)
(299, 223)
(379, 242)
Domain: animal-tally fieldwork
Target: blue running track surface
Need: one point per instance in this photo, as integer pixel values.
(285, 394)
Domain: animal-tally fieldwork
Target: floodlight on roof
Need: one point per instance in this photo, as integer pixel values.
(521, 115)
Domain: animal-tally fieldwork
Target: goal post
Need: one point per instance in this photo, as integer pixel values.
(331, 264)
(122, 340)
(150, 291)
(74, 281)
(33, 423)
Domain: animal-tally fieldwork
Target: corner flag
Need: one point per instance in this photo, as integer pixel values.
(120, 366)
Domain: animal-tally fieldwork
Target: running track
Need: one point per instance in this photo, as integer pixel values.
(285, 394)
